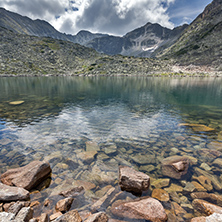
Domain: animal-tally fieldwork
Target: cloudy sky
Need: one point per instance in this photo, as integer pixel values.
(107, 16)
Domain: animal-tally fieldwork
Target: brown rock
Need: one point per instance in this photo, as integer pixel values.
(204, 181)
(88, 156)
(198, 187)
(198, 219)
(178, 210)
(72, 192)
(25, 214)
(205, 207)
(174, 187)
(28, 176)
(71, 216)
(145, 208)
(210, 197)
(175, 166)
(198, 127)
(8, 193)
(160, 183)
(64, 205)
(160, 194)
(55, 216)
(44, 218)
(132, 180)
(98, 217)
(97, 205)
(16, 207)
(34, 203)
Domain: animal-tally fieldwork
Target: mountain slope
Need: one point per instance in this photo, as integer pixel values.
(29, 55)
(139, 42)
(24, 25)
(201, 42)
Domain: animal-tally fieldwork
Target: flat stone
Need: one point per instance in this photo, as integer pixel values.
(147, 168)
(160, 183)
(174, 187)
(145, 208)
(175, 166)
(204, 181)
(55, 216)
(215, 145)
(98, 217)
(88, 156)
(205, 207)
(73, 192)
(143, 158)
(216, 184)
(85, 184)
(210, 197)
(16, 102)
(205, 166)
(97, 205)
(189, 187)
(9, 193)
(27, 176)
(132, 180)
(198, 127)
(71, 216)
(175, 197)
(178, 210)
(92, 146)
(64, 205)
(160, 194)
(198, 187)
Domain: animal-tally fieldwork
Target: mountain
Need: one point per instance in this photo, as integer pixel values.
(201, 42)
(139, 42)
(22, 54)
(24, 25)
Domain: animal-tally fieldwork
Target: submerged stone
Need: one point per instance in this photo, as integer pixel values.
(16, 102)
(175, 166)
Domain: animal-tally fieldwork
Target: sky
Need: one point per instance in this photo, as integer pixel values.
(116, 17)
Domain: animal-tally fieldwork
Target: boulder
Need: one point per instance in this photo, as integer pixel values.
(132, 180)
(8, 193)
(175, 166)
(140, 209)
(72, 215)
(64, 205)
(27, 176)
(205, 207)
(98, 217)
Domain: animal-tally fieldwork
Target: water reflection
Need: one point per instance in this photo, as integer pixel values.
(131, 121)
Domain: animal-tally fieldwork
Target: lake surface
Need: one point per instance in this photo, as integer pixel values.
(133, 121)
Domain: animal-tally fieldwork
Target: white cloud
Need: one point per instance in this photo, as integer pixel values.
(110, 16)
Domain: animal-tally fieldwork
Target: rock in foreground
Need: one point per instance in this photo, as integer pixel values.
(8, 193)
(146, 208)
(27, 176)
(132, 180)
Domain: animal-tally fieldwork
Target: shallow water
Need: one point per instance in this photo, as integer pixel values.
(132, 121)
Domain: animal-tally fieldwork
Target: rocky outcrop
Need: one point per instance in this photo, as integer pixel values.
(147, 208)
(132, 180)
(175, 166)
(27, 176)
(8, 193)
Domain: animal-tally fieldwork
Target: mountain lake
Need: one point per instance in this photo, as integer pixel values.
(86, 127)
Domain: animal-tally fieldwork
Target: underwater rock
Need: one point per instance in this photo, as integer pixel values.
(175, 166)
(160, 194)
(64, 205)
(98, 217)
(198, 127)
(16, 102)
(132, 180)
